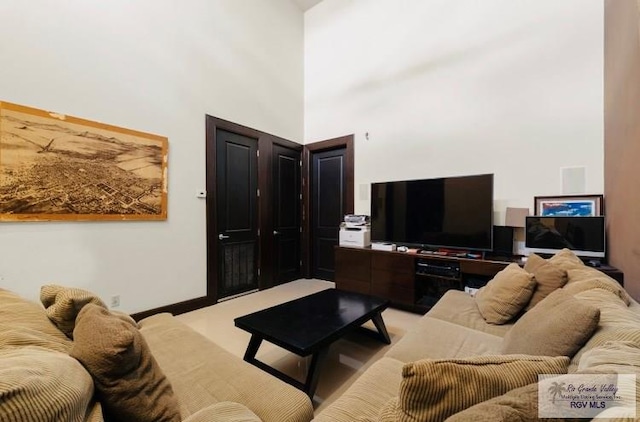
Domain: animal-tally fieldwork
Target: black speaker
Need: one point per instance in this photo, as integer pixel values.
(503, 240)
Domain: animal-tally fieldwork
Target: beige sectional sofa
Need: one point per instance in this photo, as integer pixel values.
(160, 368)
(456, 330)
(72, 359)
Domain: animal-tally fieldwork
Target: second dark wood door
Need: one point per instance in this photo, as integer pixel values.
(286, 214)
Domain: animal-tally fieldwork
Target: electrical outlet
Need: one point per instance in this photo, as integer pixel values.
(115, 301)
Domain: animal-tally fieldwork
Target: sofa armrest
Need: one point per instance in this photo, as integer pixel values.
(203, 373)
(226, 411)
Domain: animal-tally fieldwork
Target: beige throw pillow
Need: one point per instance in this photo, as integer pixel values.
(558, 326)
(567, 260)
(432, 390)
(130, 383)
(64, 303)
(505, 295)
(41, 385)
(548, 278)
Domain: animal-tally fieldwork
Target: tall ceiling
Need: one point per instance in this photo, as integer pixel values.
(305, 5)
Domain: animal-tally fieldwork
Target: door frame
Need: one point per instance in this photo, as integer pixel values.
(265, 213)
(309, 150)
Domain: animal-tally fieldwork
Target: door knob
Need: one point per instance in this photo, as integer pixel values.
(222, 237)
(276, 232)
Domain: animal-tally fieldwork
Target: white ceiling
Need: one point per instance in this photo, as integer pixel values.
(305, 5)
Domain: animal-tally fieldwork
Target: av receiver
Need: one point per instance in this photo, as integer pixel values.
(439, 268)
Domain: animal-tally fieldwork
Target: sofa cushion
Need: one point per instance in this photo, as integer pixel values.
(38, 384)
(613, 310)
(467, 313)
(438, 339)
(202, 373)
(25, 323)
(548, 278)
(618, 357)
(589, 278)
(437, 389)
(505, 295)
(130, 384)
(558, 326)
(618, 322)
(226, 411)
(602, 336)
(367, 395)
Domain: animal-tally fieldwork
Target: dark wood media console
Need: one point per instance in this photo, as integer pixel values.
(415, 281)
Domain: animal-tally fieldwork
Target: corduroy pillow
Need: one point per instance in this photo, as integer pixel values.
(519, 404)
(432, 390)
(567, 260)
(41, 385)
(130, 383)
(558, 326)
(548, 278)
(64, 303)
(505, 295)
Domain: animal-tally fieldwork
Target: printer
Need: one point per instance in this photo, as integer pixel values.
(354, 231)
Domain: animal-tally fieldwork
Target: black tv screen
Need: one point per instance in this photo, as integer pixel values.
(450, 212)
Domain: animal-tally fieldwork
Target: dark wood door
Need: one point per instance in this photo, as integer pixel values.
(286, 214)
(236, 212)
(328, 187)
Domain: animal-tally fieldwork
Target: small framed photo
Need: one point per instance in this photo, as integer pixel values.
(569, 205)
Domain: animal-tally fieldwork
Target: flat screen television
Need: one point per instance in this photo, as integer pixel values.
(585, 236)
(449, 212)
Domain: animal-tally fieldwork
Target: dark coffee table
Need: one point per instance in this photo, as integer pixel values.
(308, 326)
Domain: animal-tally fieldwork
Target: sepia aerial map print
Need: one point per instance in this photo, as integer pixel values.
(56, 167)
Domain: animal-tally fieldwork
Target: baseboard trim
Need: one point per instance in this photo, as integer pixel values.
(176, 308)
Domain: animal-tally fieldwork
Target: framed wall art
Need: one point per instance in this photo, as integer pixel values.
(569, 205)
(57, 167)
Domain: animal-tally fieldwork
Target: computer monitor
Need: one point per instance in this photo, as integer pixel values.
(585, 236)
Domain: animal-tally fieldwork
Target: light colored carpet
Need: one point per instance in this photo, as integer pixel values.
(347, 359)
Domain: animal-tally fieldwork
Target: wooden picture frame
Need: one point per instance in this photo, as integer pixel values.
(569, 205)
(55, 167)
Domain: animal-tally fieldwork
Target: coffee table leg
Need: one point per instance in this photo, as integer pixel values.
(252, 348)
(317, 360)
(382, 329)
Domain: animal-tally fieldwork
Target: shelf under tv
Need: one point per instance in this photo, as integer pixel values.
(395, 275)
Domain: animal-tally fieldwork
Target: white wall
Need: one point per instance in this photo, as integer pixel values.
(457, 87)
(156, 66)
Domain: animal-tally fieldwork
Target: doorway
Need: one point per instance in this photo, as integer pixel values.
(253, 209)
